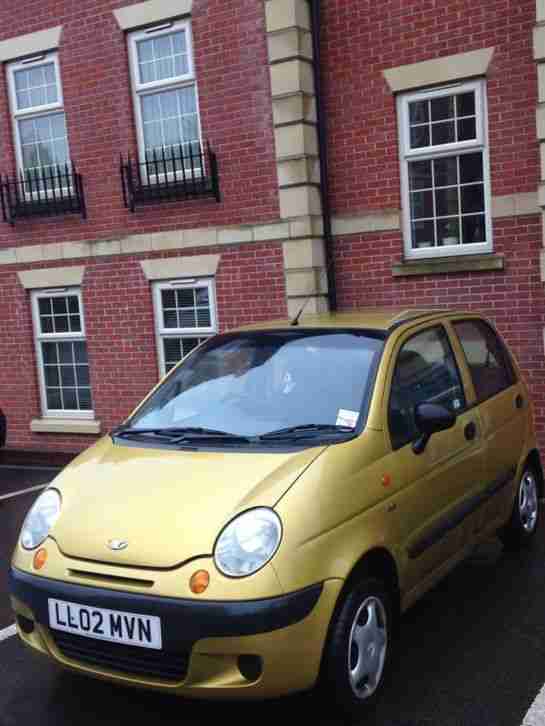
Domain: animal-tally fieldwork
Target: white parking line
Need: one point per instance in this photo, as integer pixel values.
(7, 632)
(536, 712)
(22, 491)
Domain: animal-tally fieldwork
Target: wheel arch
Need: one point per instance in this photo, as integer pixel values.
(380, 564)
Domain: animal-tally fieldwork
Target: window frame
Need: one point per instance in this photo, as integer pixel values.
(161, 333)
(406, 155)
(39, 338)
(395, 358)
(35, 111)
(142, 89)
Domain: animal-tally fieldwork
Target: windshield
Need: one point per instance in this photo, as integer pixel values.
(254, 383)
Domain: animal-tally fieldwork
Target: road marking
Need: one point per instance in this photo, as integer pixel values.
(22, 491)
(7, 632)
(536, 712)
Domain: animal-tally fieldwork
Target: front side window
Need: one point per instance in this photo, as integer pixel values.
(425, 372)
(185, 315)
(39, 123)
(445, 171)
(255, 383)
(488, 361)
(61, 350)
(165, 98)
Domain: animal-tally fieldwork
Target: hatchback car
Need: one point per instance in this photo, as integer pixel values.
(259, 523)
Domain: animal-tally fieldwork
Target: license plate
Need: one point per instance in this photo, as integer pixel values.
(115, 626)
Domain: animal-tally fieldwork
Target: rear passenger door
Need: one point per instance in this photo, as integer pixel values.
(432, 509)
(500, 399)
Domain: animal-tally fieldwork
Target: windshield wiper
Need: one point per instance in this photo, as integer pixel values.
(177, 434)
(304, 430)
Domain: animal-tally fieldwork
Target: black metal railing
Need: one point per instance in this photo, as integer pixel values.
(169, 174)
(42, 192)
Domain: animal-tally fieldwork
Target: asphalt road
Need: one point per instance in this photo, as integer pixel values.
(471, 653)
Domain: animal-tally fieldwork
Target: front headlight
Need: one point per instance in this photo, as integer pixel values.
(248, 542)
(40, 519)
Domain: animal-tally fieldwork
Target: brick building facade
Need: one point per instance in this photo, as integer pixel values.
(397, 140)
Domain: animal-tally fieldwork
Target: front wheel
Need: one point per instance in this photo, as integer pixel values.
(522, 525)
(358, 649)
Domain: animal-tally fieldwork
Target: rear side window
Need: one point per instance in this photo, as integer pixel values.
(425, 372)
(488, 361)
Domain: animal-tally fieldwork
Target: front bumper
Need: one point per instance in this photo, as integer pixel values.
(203, 641)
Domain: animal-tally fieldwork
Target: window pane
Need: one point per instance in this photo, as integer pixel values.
(147, 72)
(85, 401)
(467, 129)
(425, 372)
(419, 112)
(203, 318)
(37, 96)
(151, 109)
(65, 352)
(80, 352)
(44, 305)
(61, 324)
(181, 65)
(144, 49)
(421, 204)
(487, 359)
(442, 133)
(162, 47)
(442, 108)
(423, 234)
(465, 104)
(185, 297)
(68, 376)
(473, 198)
(59, 305)
(201, 296)
(51, 374)
(471, 167)
(188, 99)
(75, 323)
(49, 353)
(448, 231)
(170, 319)
(70, 399)
(473, 229)
(420, 136)
(46, 324)
(54, 401)
(73, 304)
(179, 42)
(446, 201)
(168, 298)
(187, 319)
(420, 174)
(190, 344)
(82, 375)
(164, 68)
(446, 171)
(49, 74)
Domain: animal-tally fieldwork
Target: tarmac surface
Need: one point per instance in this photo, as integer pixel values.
(470, 653)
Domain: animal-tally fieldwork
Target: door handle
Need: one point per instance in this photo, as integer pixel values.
(470, 431)
(519, 401)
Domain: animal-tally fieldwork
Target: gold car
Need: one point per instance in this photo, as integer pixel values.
(259, 523)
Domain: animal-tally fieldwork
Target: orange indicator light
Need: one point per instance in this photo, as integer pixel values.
(199, 582)
(40, 558)
(386, 480)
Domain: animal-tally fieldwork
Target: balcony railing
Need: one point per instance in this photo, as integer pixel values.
(170, 174)
(42, 192)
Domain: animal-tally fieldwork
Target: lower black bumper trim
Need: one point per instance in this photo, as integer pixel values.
(184, 621)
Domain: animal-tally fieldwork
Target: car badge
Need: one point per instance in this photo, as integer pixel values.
(117, 544)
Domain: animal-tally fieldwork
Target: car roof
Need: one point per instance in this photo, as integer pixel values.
(380, 319)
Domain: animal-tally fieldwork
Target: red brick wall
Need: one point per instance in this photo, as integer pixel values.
(361, 39)
(234, 93)
(121, 333)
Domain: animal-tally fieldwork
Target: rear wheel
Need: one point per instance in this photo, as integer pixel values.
(358, 650)
(522, 525)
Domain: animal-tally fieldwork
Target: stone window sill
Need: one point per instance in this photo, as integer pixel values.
(64, 426)
(439, 266)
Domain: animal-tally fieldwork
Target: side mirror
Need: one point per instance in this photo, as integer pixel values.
(431, 418)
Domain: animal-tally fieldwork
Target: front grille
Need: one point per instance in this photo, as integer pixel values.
(124, 658)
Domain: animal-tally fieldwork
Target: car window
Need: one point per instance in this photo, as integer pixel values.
(425, 372)
(488, 361)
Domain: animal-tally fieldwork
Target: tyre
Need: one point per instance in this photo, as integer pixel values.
(358, 649)
(522, 525)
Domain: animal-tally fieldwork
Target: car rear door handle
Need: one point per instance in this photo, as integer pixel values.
(519, 401)
(470, 431)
